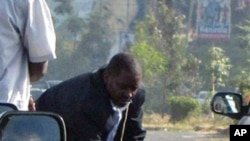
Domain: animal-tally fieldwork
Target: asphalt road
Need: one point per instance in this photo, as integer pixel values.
(184, 136)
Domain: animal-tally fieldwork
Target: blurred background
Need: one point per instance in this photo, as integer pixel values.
(188, 49)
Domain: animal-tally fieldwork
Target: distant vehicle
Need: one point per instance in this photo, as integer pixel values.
(39, 85)
(202, 96)
(231, 104)
(45, 84)
(36, 92)
(51, 83)
(38, 88)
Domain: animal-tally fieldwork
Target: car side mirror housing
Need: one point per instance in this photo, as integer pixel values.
(7, 107)
(31, 125)
(227, 103)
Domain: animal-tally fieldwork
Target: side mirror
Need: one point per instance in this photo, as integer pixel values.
(228, 104)
(31, 126)
(7, 107)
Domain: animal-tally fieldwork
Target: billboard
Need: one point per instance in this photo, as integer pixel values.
(213, 19)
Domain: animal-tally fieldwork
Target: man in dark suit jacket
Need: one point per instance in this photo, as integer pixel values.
(88, 102)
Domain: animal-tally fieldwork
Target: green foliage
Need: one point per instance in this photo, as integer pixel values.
(218, 67)
(148, 48)
(95, 43)
(75, 24)
(152, 59)
(191, 77)
(161, 48)
(219, 63)
(244, 38)
(205, 107)
(159, 35)
(244, 86)
(154, 99)
(64, 8)
(82, 45)
(181, 107)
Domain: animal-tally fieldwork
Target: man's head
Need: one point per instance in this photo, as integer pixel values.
(122, 78)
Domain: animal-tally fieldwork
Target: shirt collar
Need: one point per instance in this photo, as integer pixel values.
(121, 109)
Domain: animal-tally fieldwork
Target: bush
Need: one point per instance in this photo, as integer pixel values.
(181, 107)
(244, 89)
(244, 86)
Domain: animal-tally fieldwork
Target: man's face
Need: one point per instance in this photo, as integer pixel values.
(122, 88)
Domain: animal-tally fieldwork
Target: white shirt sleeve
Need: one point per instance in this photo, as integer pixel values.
(39, 36)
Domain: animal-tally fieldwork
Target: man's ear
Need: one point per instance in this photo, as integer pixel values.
(105, 76)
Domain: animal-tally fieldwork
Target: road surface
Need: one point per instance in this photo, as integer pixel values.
(184, 136)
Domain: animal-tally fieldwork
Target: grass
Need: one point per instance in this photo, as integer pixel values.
(201, 123)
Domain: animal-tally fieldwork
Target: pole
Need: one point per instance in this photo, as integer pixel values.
(100, 6)
(190, 15)
(128, 14)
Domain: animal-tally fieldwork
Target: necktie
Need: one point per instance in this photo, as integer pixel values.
(117, 118)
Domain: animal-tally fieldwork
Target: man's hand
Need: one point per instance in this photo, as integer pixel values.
(32, 104)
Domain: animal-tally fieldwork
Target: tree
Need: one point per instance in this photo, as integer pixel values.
(243, 72)
(218, 67)
(191, 76)
(245, 45)
(75, 26)
(96, 42)
(160, 46)
(64, 7)
(82, 44)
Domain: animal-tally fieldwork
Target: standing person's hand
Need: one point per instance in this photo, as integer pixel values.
(32, 104)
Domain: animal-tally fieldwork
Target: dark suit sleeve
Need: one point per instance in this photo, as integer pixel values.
(47, 101)
(83, 129)
(134, 130)
(76, 115)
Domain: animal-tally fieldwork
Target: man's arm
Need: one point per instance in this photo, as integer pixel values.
(39, 38)
(134, 130)
(37, 70)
